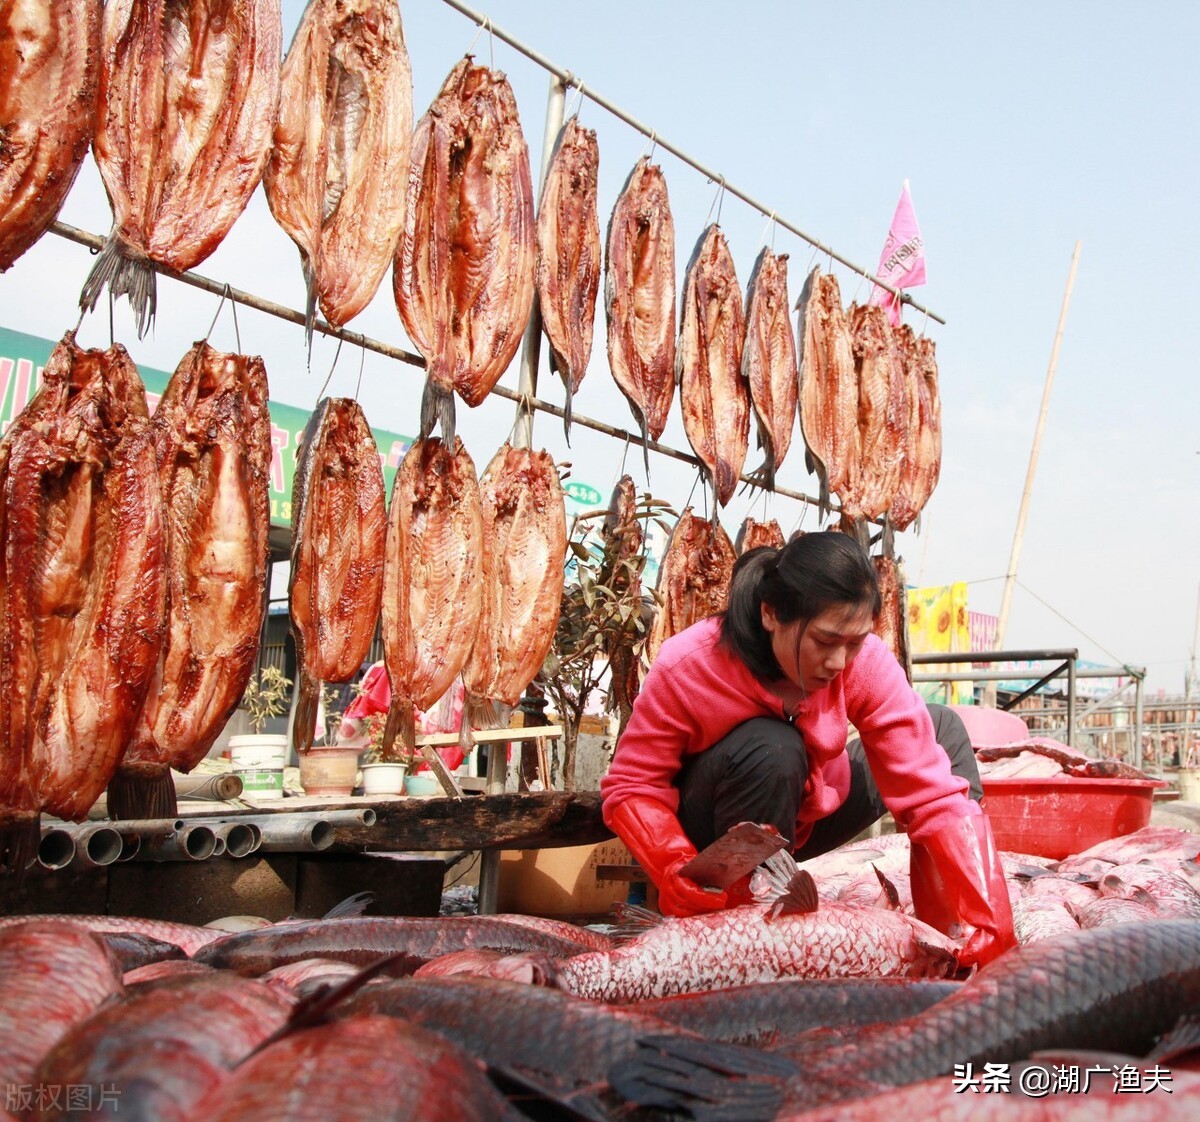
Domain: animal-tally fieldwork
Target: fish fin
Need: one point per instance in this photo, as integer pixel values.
(133, 795)
(780, 882)
(633, 920)
(304, 721)
(705, 1080)
(1182, 1040)
(889, 890)
(123, 274)
(401, 722)
(20, 835)
(530, 1088)
(939, 954)
(355, 905)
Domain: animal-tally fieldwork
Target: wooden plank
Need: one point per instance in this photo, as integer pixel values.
(488, 736)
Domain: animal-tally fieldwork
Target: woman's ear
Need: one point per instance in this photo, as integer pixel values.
(769, 619)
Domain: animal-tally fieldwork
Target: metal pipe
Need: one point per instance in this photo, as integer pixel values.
(238, 839)
(190, 843)
(587, 91)
(56, 850)
(306, 835)
(95, 845)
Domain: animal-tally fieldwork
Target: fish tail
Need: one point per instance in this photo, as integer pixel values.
(304, 721)
(567, 412)
(20, 833)
(402, 723)
(310, 302)
(123, 273)
(145, 793)
(437, 408)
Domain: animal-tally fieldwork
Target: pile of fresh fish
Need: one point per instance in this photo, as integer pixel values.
(212, 440)
(464, 267)
(337, 175)
(82, 588)
(568, 260)
(812, 1001)
(693, 579)
(187, 104)
(870, 410)
(339, 523)
(49, 67)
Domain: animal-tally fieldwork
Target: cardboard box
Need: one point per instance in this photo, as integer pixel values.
(581, 880)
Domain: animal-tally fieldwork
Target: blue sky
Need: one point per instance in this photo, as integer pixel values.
(1021, 128)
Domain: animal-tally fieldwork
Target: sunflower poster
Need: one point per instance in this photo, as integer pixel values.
(938, 621)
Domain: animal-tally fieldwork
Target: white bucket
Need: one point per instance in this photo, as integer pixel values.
(1189, 784)
(259, 758)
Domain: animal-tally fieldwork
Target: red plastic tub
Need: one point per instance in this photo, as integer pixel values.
(1060, 815)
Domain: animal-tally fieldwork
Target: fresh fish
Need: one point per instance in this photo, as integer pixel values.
(155, 972)
(365, 940)
(49, 67)
(883, 412)
(1042, 917)
(432, 579)
(54, 975)
(187, 104)
(713, 392)
(891, 625)
(212, 438)
(1172, 894)
(293, 976)
(1074, 893)
(510, 1025)
(339, 524)
(828, 399)
(132, 951)
(525, 546)
(1110, 910)
(639, 296)
(164, 1047)
(769, 362)
(787, 936)
(768, 1014)
(367, 1069)
(1160, 844)
(184, 935)
(584, 937)
(82, 587)
(338, 169)
(693, 579)
(568, 259)
(621, 570)
(753, 534)
(464, 270)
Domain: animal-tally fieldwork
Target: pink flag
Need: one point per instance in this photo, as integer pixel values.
(902, 263)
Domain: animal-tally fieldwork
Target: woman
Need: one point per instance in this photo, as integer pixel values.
(745, 716)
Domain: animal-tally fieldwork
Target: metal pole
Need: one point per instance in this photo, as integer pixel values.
(1139, 717)
(569, 79)
(1071, 701)
(489, 859)
(1014, 557)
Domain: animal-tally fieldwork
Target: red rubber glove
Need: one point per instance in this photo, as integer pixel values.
(656, 839)
(957, 879)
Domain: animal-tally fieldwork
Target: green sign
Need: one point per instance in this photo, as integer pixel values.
(22, 358)
(583, 493)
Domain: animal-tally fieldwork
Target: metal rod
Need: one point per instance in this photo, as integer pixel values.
(587, 91)
(94, 241)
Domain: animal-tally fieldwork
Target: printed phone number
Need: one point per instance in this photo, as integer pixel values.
(1065, 1079)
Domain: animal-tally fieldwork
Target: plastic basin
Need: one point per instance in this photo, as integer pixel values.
(1061, 815)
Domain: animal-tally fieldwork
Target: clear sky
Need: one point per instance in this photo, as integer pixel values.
(1022, 128)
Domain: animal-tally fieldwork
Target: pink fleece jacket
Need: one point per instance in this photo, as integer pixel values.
(697, 691)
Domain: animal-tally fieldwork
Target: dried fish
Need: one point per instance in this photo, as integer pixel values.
(336, 180)
(188, 98)
(464, 268)
(568, 262)
(882, 413)
(708, 364)
(49, 67)
(753, 534)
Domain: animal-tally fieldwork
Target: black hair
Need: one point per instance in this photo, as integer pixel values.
(800, 580)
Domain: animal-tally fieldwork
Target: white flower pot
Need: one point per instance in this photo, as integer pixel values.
(383, 778)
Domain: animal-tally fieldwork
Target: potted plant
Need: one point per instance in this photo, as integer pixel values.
(259, 757)
(329, 767)
(381, 775)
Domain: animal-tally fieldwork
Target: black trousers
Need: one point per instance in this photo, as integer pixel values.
(757, 773)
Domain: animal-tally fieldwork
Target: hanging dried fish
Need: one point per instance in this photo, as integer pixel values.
(639, 296)
(620, 571)
(928, 445)
(432, 580)
(769, 360)
(883, 413)
(464, 269)
(828, 388)
(568, 262)
(525, 545)
(49, 66)
(708, 364)
(903, 509)
(212, 437)
(891, 625)
(693, 579)
(339, 522)
(188, 97)
(337, 176)
(753, 534)
(82, 588)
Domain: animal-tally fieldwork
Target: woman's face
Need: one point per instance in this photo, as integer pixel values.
(811, 653)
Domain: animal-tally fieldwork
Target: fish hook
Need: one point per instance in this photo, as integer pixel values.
(579, 104)
(624, 457)
(770, 225)
(924, 324)
(648, 152)
(485, 25)
(336, 353)
(716, 203)
(362, 361)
